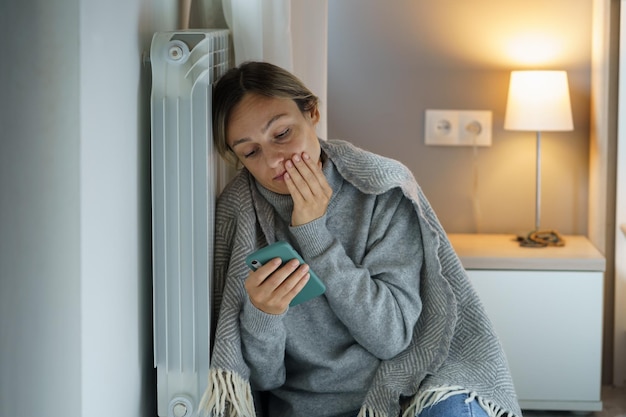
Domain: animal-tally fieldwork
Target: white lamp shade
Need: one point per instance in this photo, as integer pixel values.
(538, 101)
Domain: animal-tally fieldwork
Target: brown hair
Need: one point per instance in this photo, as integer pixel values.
(260, 78)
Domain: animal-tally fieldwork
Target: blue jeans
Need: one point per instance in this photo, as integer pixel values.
(455, 406)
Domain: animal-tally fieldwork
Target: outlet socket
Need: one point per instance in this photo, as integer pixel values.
(458, 127)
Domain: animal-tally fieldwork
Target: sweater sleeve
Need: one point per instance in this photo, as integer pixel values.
(263, 346)
(378, 298)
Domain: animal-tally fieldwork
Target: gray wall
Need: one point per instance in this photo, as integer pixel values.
(40, 326)
(390, 61)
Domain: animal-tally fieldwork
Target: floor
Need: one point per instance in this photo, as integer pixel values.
(613, 401)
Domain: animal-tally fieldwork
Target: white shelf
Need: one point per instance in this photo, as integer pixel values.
(546, 306)
(499, 251)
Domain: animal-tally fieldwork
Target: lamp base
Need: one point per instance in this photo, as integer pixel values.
(541, 239)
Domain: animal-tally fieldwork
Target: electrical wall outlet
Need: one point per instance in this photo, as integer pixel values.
(458, 127)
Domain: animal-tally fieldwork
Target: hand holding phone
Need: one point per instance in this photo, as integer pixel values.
(283, 250)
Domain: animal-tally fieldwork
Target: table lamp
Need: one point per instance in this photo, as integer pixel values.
(539, 101)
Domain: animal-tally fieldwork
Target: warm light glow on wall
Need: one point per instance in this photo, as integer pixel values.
(487, 33)
(534, 49)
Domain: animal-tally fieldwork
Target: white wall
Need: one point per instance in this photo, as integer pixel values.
(115, 210)
(75, 283)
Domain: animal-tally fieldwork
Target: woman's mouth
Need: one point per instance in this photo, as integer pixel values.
(280, 177)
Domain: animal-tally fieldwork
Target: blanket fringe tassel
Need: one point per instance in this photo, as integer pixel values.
(368, 412)
(226, 389)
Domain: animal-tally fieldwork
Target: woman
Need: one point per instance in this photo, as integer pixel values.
(399, 329)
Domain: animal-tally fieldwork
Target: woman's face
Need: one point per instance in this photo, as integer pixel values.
(265, 132)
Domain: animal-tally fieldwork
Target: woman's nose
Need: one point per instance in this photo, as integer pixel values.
(274, 156)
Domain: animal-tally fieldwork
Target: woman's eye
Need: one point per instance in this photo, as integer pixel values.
(283, 134)
(249, 154)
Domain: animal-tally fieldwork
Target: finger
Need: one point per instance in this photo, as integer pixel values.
(279, 276)
(262, 283)
(296, 183)
(291, 286)
(276, 292)
(316, 169)
(307, 181)
(314, 177)
(291, 185)
(308, 175)
(297, 287)
(258, 276)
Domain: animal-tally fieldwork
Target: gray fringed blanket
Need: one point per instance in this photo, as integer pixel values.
(454, 347)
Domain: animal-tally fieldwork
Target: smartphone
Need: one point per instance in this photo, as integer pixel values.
(283, 250)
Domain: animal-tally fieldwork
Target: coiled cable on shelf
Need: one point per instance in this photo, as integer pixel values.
(541, 239)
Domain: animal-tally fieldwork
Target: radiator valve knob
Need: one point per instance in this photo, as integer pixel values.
(176, 52)
(180, 410)
(180, 407)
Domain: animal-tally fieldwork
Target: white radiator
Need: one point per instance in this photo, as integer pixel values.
(184, 184)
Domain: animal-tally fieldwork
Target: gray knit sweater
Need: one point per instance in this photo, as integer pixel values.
(452, 349)
(319, 358)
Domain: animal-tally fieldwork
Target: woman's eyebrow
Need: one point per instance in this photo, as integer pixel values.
(239, 142)
(272, 120)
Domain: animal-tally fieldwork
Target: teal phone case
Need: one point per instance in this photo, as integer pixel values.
(283, 250)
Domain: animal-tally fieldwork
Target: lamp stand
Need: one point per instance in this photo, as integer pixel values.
(540, 238)
(538, 184)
